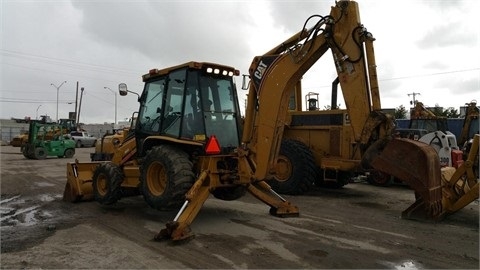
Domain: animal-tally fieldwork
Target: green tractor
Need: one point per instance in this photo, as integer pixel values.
(48, 139)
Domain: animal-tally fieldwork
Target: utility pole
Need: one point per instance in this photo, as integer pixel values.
(80, 106)
(414, 100)
(36, 116)
(76, 104)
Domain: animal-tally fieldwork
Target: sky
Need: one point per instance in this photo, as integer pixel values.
(427, 47)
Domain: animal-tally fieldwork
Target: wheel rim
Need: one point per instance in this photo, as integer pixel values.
(102, 184)
(283, 169)
(40, 153)
(156, 178)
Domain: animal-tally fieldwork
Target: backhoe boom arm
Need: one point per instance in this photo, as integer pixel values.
(275, 74)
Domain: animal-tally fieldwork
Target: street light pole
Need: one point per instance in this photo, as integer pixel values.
(115, 93)
(58, 88)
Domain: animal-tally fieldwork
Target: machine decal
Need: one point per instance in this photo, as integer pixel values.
(263, 64)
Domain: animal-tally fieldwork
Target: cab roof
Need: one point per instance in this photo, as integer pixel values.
(192, 64)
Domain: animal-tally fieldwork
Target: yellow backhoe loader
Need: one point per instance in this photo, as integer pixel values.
(187, 142)
(106, 146)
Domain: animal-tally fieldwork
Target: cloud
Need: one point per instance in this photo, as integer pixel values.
(447, 35)
(168, 33)
(102, 43)
(291, 15)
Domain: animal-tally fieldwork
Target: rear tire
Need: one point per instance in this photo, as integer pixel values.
(78, 144)
(107, 181)
(166, 176)
(69, 153)
(295, 169)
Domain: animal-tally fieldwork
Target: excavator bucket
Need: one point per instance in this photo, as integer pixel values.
(79, 181)
(416, 164)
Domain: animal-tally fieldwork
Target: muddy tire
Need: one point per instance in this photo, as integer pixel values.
(295, 171)
(229, 193)
(107, 181)
(166, 176)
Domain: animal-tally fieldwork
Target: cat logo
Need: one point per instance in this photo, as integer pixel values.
(260, 70)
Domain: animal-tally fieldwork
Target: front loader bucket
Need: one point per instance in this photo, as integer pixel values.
(79, 181)
(416, 164)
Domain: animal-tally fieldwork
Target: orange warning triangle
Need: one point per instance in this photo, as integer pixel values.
(213, 147)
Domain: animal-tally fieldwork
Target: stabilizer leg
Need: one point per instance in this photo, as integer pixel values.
(179, 228)
(278, 205)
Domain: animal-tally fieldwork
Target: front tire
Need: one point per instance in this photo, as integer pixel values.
(166, 176)
(107, 181)
(295, 169)
(40, 153)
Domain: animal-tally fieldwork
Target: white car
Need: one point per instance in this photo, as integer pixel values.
(83, 139)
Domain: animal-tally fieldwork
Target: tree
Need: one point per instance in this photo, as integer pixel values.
(400, 112)
(451, 113)
(448, 113)
(437, 110)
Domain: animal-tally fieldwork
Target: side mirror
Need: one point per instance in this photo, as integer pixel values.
(122, 89)
(245, 85)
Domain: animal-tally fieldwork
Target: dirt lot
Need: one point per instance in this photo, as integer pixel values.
(357, 227)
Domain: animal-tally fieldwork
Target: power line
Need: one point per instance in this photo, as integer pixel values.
(20, 100)
(431, 74)
(65, 73)
(65, 62)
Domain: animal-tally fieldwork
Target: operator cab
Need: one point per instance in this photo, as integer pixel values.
(190, 102)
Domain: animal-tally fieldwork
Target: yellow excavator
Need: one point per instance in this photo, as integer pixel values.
(187, 142)
(470, 123)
